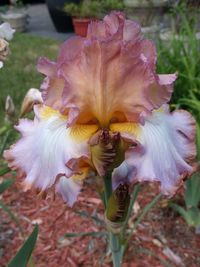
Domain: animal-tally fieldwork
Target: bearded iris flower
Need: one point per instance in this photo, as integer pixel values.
(101, 98)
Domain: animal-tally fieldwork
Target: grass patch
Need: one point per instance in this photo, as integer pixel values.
(19, 73)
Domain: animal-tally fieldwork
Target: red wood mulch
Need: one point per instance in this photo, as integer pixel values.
(161, 232)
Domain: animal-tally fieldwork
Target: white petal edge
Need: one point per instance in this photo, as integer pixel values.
(68, 189)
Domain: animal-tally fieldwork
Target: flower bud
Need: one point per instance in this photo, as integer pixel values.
(9, 106)
(9, 109)
(107, 151)
(32, 97)
(117, 208)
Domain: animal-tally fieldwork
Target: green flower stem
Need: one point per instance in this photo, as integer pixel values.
(114, 240)
(115, 247)
(107, 187)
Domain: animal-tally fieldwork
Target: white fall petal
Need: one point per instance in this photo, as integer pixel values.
(45, 148)
(166, 146)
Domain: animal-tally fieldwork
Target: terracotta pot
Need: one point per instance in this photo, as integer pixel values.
(81, 26)
(61, 20)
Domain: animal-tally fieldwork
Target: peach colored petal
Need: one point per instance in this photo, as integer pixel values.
(32, 97)
(52, 86)
(114, 75)
(107, 76)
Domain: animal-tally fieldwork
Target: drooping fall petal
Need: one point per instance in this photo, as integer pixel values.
(46, 146)
(166, 149)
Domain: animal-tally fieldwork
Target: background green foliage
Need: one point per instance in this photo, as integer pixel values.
(19, 73)
(181, 54)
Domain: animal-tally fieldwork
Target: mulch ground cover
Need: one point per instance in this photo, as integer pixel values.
(161, 239)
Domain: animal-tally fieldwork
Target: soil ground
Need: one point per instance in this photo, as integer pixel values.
(161, 239)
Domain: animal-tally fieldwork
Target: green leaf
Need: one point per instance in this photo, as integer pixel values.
(22, 257)
(139, 219)
(83, 213)
(133, 199)
(148, 252)
(192, 193)
(198, 139)
(194, 214)
(146, 210)
(4, 142)
(85, 234)
(183, 213)
(4, 171)
(5, 184)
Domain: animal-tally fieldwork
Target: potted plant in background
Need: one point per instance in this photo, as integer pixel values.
(16, 15)
(61, 20)
(82, 14)
(109, 5)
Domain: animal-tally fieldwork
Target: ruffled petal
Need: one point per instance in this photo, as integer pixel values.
(107, 76)
(46, 146)
(69, 188)
(165, 152)
(52, 86)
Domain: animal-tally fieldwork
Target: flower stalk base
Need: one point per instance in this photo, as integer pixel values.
(114, 239)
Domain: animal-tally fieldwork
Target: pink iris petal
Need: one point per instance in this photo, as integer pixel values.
(108, 73)
(52, 86)
(167, 147)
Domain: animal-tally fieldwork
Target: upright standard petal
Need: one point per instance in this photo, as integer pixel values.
(107, 76)
(52, 86)
(165, 152)
(46, 146)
